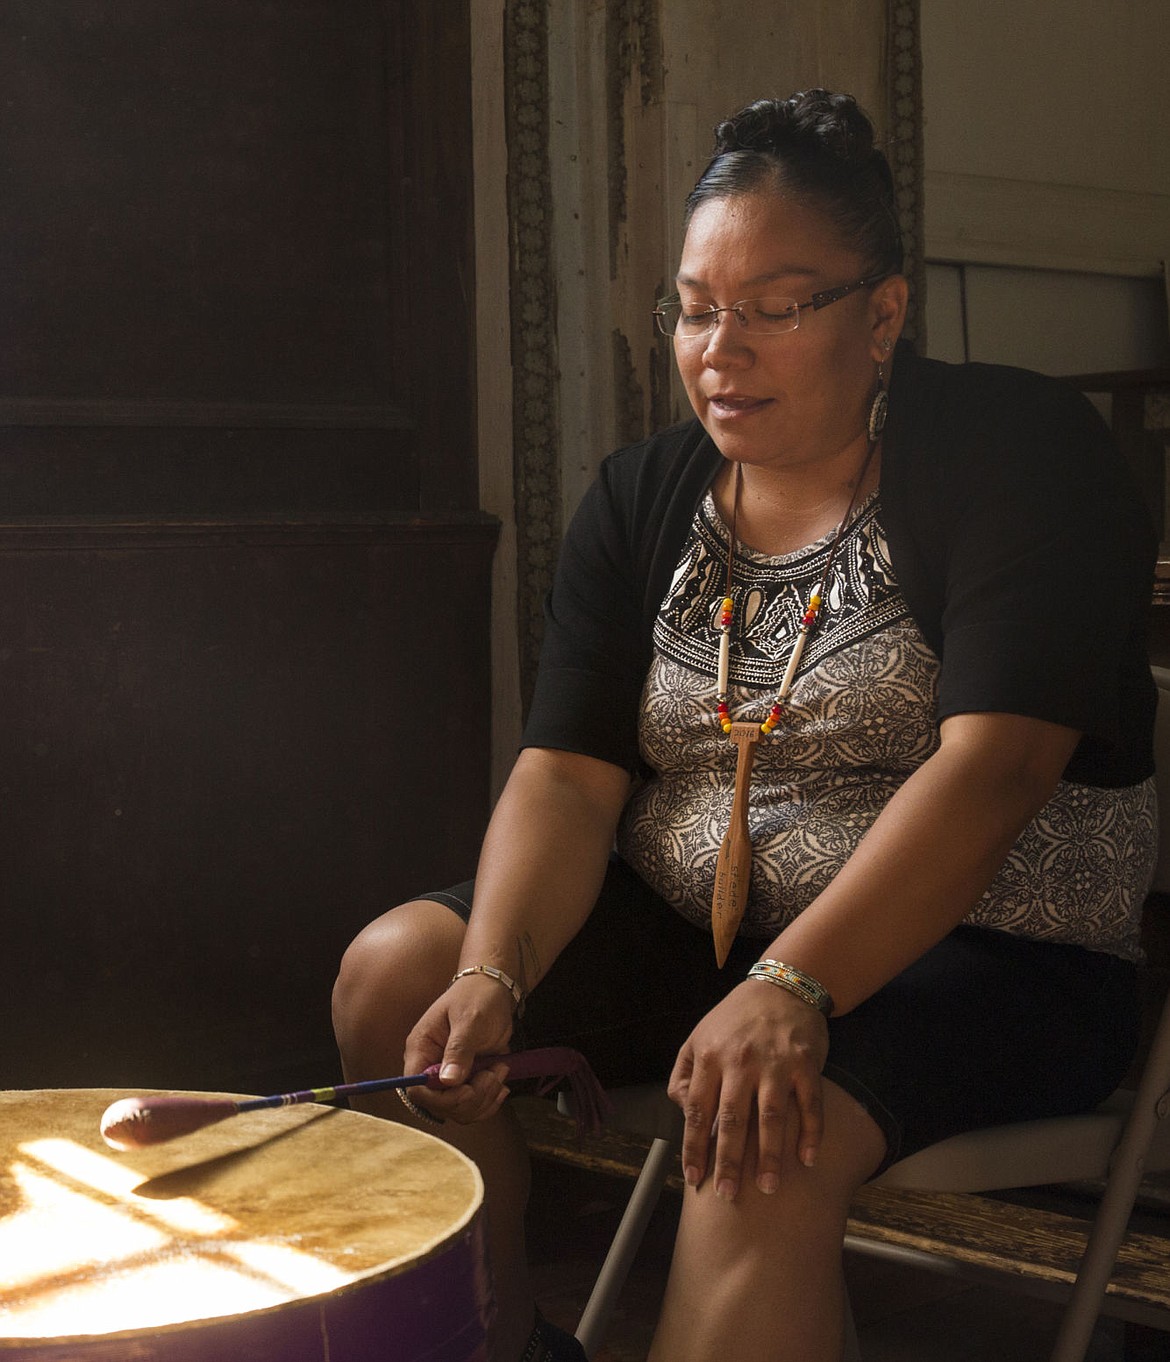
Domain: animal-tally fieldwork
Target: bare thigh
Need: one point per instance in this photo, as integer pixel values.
(391, 973)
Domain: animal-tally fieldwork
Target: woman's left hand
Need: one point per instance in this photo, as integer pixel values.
(755, 1059)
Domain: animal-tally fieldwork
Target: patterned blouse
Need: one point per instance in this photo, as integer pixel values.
(860, 719)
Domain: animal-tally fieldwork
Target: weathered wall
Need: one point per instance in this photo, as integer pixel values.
(637, 90)
(1048, 137)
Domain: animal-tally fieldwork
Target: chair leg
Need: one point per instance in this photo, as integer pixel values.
(603, 1299)
(1112, 1218)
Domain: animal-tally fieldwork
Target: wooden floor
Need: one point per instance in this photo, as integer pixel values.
(903, 1315)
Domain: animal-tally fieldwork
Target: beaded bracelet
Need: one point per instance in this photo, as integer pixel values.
(498, 974)
(796, 982)
(426, 1117)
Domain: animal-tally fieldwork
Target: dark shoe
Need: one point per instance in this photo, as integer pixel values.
(547, 1343)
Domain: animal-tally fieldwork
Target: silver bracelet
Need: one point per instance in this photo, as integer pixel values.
(796, 982)
(498, 974)
(426, 1117)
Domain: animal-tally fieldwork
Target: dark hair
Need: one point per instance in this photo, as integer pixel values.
(818, 147)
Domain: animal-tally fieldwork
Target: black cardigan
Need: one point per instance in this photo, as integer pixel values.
(1019, 541)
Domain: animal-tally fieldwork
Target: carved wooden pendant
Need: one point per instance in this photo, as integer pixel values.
(733, 869)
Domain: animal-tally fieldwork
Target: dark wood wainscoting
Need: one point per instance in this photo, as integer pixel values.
(224, 748)
(244, 583)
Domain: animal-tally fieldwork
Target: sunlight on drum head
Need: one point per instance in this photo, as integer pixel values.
(101, 1174)
(80, 1253)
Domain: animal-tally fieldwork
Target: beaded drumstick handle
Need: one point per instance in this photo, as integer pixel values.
(135, 1122)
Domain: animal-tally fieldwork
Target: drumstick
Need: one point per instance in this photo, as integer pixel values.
(137, 1121)
(134, 1122)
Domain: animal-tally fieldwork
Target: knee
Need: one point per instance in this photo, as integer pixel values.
(392, 971)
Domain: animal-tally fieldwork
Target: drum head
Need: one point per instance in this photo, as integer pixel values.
(299, 1212)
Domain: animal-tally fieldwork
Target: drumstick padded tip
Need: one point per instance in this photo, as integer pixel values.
(138, 1121)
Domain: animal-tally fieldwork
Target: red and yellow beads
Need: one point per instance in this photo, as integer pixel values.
(776, 713)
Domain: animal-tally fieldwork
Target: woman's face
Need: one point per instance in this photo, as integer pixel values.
(778, 400)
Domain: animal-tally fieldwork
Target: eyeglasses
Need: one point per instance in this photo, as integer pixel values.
(756, 316)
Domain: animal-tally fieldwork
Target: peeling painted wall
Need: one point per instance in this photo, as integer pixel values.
(663, 75)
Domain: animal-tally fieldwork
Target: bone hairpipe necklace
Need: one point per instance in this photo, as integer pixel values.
(733, 868)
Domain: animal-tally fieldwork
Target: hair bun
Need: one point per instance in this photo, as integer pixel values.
(813, 122)
(816, 146)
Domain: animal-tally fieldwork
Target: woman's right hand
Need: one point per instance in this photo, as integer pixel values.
(472, 1018)
(540, 871)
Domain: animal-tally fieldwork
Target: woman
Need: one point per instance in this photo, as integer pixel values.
(914, 653)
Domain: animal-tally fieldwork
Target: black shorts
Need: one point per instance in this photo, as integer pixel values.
(986, 1028)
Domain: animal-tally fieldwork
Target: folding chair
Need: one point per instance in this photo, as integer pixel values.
(1127, 1136)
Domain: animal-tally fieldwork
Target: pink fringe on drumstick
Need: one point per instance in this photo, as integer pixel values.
(135, 1122)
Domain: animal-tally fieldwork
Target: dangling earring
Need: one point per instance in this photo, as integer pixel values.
(880, 405)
